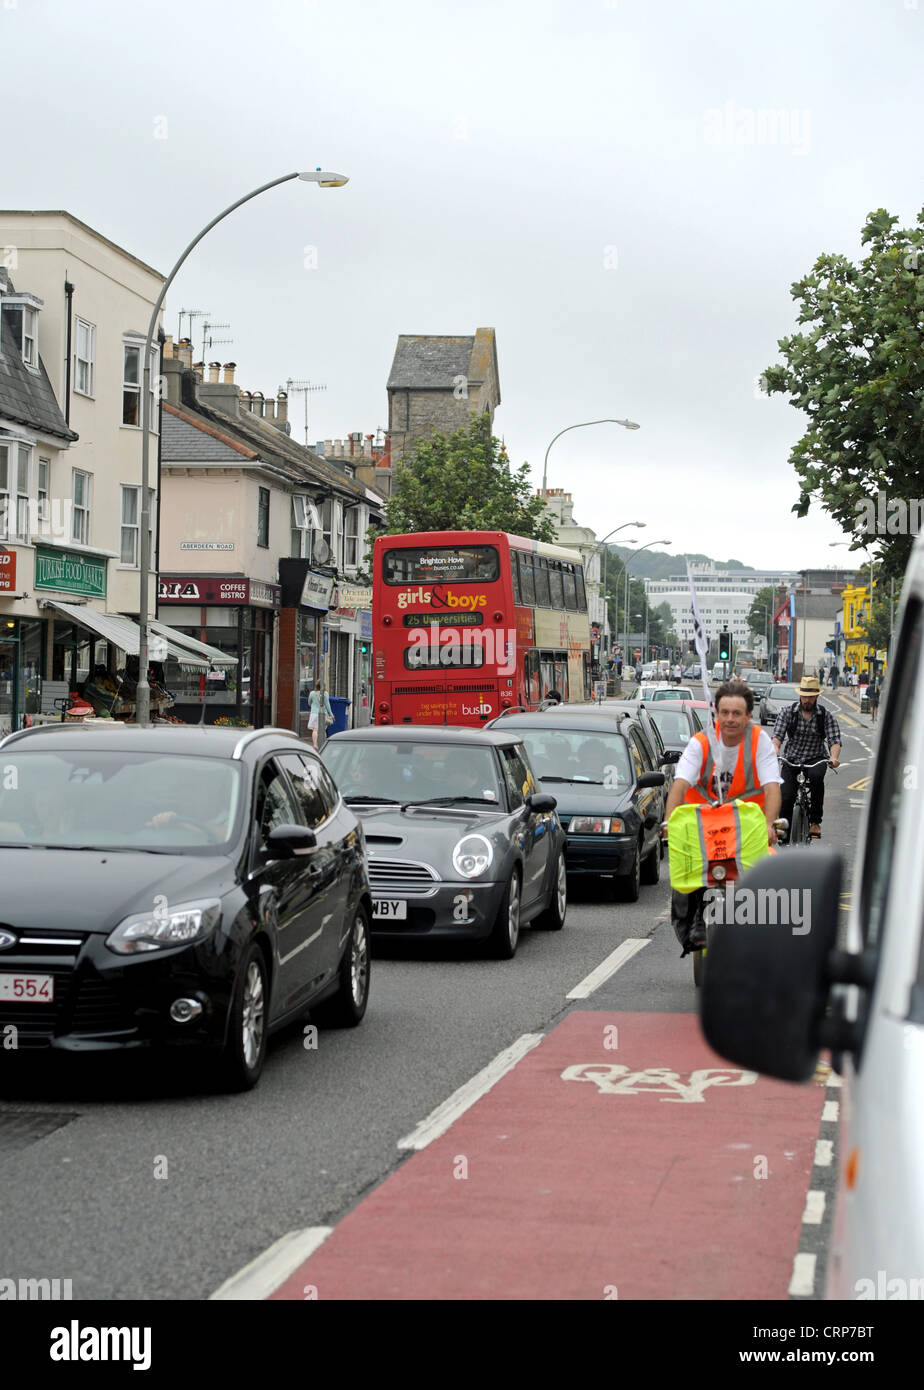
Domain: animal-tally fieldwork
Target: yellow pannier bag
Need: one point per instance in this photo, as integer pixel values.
(697, 835)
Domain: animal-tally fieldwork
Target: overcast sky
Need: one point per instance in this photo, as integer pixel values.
(576, 174)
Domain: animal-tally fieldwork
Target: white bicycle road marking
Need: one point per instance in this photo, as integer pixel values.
(613, 1079)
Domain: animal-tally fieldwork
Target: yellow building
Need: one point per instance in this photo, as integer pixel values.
(853, 626)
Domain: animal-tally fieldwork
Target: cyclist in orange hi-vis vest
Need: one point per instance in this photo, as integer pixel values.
(745, 767)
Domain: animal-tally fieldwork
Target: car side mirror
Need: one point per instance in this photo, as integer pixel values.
(672, 755)
(767, 984)
(288, 841)
(651, 779)
(540, 802)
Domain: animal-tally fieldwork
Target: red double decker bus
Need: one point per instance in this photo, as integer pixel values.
(466, 624)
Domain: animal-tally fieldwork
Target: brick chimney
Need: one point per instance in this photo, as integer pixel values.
(256, 403)
(199, 369)
(168, 352)
(184, 352)
(230, 368)
(282, 408)
(269, 410)
(214, 370)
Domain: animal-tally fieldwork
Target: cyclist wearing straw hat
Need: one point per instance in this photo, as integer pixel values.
(809, 730)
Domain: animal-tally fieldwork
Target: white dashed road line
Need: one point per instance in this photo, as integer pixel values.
(803, 1275)
(814, 1209)
(824, 1153)
(265, 1274)
(439, 1120)
(614, 961)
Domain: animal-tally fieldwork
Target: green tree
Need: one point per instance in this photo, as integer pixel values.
(857, 371)
(464, 482)
(760, 613)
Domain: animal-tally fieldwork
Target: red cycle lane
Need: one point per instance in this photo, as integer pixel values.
(621, 1158)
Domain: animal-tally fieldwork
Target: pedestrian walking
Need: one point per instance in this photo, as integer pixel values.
(873, 696)
(318, 700)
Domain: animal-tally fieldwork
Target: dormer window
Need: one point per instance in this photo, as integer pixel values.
(21, 315)
(30, 337)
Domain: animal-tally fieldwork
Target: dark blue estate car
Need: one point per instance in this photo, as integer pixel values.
(610, 791)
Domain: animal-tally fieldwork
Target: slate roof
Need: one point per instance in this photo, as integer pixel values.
(26, 397)
(226, 439)
(424, 363)
(182, 441)
(818, 605)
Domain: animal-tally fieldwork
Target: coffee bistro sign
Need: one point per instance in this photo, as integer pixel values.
(65, 571)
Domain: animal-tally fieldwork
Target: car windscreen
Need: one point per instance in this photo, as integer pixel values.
(786, 693)
(99, 799)
(672, 725)
(578, 756)
(404, 772)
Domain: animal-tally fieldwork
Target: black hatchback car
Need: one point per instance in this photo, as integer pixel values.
(610, 791)
(463, 844)
(187, 887)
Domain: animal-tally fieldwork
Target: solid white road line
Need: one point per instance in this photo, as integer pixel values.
(835, 1080)
(606, 968)
(803, 1275)
(814, 1208)
(439, 1120)
(830, 1111)
(824, 1153)
(265, 1274)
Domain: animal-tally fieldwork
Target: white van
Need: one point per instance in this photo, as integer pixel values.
(719, 669)
(773, 999)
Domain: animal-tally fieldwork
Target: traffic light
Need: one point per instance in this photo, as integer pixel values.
(364, 647)
(692, 645)
(724, 646)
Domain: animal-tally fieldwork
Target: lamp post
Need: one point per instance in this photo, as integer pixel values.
(639, 525)
(626, 606)
(324, 179)
(582, 424)
(765, 634)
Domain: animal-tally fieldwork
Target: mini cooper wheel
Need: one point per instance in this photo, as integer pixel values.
(245, 1049)
(553, 918)
(346, 1008)
(505, 934)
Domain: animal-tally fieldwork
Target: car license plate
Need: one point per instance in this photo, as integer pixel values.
(394, 908)
(23, 988)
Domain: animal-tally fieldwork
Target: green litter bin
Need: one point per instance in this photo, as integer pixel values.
(864, 705)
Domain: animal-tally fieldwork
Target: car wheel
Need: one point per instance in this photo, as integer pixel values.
(505, 934)
(245, 1049)
(651, 868)
(553, 918)
(628, 886)
(345, 1009)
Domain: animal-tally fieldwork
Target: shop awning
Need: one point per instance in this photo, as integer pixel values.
(126, 635)
(182, 639)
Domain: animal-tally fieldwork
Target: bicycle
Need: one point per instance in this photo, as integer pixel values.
(799, 832)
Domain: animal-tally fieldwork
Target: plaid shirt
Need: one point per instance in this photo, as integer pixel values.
(803, 745)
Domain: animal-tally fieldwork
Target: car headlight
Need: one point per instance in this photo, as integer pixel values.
(472, 856)
(163, 928)
(596, 825)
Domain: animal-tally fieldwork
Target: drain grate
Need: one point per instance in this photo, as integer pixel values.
(20, 1128)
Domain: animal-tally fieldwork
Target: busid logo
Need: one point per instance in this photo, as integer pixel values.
(483, 708)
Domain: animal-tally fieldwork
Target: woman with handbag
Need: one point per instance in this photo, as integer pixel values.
(318, 700)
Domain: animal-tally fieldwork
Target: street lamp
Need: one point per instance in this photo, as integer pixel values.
(325, 179)
(626, 605)
(582, 424)
(639, 525)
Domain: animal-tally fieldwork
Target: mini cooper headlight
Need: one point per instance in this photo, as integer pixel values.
(164, 927)
(472, 856)
(595, 825)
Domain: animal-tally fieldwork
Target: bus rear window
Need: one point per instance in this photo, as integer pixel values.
(476, 563)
